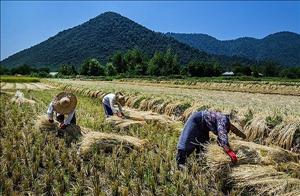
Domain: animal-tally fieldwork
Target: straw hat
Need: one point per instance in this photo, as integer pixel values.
(64, 102)
(120, 98)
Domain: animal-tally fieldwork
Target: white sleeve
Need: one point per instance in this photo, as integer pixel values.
(112, 102)
(67, 121)
(50, 111)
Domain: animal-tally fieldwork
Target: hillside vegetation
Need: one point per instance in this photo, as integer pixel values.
(283, 47)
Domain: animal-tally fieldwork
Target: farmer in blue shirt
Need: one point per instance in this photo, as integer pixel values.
(196, 132)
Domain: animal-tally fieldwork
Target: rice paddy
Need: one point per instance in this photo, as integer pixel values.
(137, 156)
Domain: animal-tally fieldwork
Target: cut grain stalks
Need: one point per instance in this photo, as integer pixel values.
(286, 135)
(94, 141)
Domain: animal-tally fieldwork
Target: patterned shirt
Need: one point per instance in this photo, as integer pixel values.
(198, 125)
(218, 123)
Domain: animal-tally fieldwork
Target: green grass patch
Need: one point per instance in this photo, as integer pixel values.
(18, 79)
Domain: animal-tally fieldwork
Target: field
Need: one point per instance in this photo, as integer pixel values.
(20, 79)
(35, 162)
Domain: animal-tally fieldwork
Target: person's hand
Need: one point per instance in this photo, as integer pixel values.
(51, 120)
(232, 155)
(63, 126)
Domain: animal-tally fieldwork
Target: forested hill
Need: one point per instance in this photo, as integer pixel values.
(283, 47)
(99, 38)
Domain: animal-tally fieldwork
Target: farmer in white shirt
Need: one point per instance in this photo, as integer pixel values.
(112, 104)
(63, 104)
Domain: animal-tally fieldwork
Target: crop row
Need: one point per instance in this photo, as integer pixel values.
(271, 128)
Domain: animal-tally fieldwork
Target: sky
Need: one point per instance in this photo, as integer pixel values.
(26, 23)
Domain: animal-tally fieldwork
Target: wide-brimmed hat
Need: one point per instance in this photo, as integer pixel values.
(64, 102)
(120, 98)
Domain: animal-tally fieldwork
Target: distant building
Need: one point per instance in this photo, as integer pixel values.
(228, 73)
(53, 73)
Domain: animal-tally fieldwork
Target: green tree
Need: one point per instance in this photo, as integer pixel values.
(92, 67)
(155, 64)
(133, 58)
(119, 63)
(67, 70)
(110, 69)
(195, 68)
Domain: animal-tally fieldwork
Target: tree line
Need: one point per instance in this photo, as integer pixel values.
(136, 63)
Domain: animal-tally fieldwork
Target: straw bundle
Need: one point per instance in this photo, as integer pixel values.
(71, 133)
(43, 124)
(20, 99)
(260, 169)
(257, 129)
(124, 124)
(285, 134)
(263, 180)
(248, 153)
(106, 142)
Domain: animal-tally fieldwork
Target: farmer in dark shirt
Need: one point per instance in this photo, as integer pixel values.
(196, 132)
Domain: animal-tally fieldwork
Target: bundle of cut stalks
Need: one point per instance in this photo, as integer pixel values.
(124, 124)
(286, 134)
(43, 124)
(71, 133)
(264, 180)
(249, 153)
(20, 99)
(106, 142)
(260, 169)
(257, 129)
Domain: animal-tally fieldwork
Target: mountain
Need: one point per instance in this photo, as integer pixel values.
(99, 38)
(283, 47)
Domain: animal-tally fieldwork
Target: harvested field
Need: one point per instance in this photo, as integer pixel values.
(24, 86)
(136, 155)
(258, 114)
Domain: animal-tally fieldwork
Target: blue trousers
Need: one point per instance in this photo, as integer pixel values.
(108, 111)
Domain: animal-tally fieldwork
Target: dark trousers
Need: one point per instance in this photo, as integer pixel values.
(108, 111)
(60, 118)
(182, 155)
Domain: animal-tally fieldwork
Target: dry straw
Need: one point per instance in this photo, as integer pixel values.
(285, 134)
(256, 170)
(108, 141)
(257, 129)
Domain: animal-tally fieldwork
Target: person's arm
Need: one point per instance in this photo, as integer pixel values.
(67, 121)
(50, 112)
(223, 126)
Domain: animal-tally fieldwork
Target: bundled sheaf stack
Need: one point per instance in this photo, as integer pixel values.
(91, 140)
(259, 170)
(94, 141)
(20, 99)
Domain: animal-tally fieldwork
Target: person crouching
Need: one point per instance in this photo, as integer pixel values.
(63, 104)
(196, 133)
(112, 104)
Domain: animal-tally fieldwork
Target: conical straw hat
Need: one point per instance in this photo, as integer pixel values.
(64, 102)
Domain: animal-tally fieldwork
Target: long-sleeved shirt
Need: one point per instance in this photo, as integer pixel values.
(51, 110)
(199, 124)
(110, 100)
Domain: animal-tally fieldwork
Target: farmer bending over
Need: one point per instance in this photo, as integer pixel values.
(112, 104)
(63, 104)
(196, 132)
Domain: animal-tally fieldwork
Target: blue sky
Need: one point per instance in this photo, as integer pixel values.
(25, 23)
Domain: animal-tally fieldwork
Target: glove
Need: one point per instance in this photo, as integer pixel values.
(232, 155)
(51, 120)
(63, 126)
